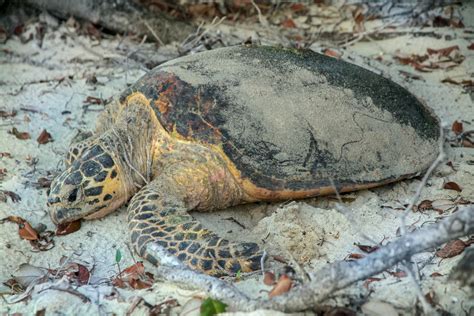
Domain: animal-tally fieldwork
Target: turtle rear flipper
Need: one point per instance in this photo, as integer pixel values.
(159, 213)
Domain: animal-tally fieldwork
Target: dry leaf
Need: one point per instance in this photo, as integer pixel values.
(12, 195)
(457, 127)
(19, 135)
(44, 137)
(332, 53)
(443, 205)
(135, 277)
(269, 278)
(68, 228)
(288, 23)
(26, 231)
(436, 274)
(14, 286)
(93, 100)
(282, 286)
(5, 114)
(451, 249)
(280, 259)
(425, 205)
(82, 274)
(44, 182)
(443, 51)
(299, 7)
(26, 274)
(398, 273)
(430, 298)
(366, 248)
(471, 46)
(452, 186)
(355, 256)
(370, 280)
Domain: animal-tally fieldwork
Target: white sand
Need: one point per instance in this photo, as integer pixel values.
(313, 232)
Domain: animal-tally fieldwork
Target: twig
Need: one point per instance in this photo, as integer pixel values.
(438, 160)
(408, 267)
(153, 33)
(427, 310)
(263, 21)
(327, 280)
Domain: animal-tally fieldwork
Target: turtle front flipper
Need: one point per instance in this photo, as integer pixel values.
(159, 213)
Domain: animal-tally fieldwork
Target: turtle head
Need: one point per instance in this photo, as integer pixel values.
(91, 187)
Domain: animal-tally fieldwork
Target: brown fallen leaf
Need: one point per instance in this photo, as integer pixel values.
(282, 286)
(452, 186)
(366, 248)
(44, 243)
(25, 230)
(398, 273)
(18, 134)
(280, 259)
(81, 273)
(471, 46)
(449, 80)
(465, 83)
(12, 195)
(451, 249)
(440, 21)
(5, 114)
(5, 154)
(44, 137)
(354, 256)
(269, 278)
(457, 127)
(436, 274)
(425, 205)
(43, 182)
(93, 100)
(299, 7)
(14, 286)
(467, 143)
(443, 51)
(370, 280)
(443, 205)
(410, 60)
(134, 277)
(430, 298)
(288, 23)
(332, 53)
(68, 228)
(28, 274)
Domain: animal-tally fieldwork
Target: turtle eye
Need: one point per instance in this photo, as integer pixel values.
(72, 196)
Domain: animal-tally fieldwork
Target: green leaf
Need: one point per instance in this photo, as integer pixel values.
(211, 307)
(118, 256)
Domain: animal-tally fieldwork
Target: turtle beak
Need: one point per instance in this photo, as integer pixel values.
(64, 215)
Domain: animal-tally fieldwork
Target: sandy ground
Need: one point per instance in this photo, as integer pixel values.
(48, 86)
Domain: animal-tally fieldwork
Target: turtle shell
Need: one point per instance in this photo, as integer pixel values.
(294, 119)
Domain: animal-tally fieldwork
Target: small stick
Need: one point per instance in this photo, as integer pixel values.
(158, 39)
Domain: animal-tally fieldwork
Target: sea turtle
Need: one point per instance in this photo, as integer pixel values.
(238, 125)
